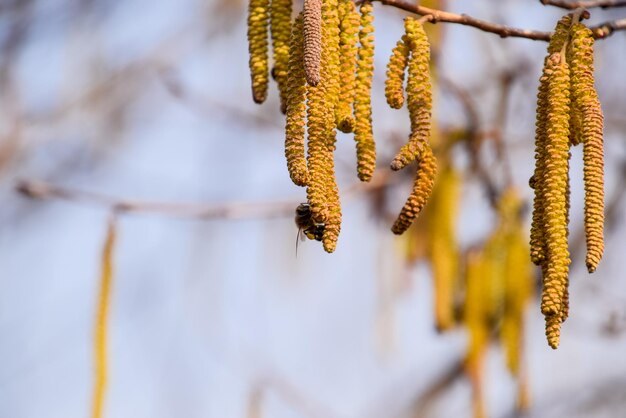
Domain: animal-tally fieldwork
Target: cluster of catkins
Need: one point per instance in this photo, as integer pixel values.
(568, 113)
(323, 63)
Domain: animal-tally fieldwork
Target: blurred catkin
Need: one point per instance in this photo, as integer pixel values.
(296, 109)
(419, 95)
(280, 27)
(363, 133)
(312, 40)
(258, 22)
(585, 98)
(422, 189)
(349, 27)
(443, 247)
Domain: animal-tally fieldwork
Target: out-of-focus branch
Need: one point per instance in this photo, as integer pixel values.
(572, 5)
(600, 31)
(37, 189)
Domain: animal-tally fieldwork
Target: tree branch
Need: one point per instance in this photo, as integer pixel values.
(37, 189)
(589, 4)
(600, 31)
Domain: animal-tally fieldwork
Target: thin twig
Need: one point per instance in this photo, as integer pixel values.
(600, 31)
(572, 5)
(37, 189)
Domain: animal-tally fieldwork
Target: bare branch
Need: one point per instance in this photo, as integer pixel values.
(600, 31)
(572, 5)
(37, 189)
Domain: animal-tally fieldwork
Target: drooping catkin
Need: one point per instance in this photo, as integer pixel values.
(555, 186)
(586, 100)
(102, 321)
(442, 246)
(330, 74)
(363, 133)
(258, 22)
(419, 94)
(296, 109)
(537, 231)
(280, 28)
(312, 40)
(349, 27)
(396, 68)
(422, 189)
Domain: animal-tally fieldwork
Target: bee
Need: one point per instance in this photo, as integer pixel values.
(306, 227)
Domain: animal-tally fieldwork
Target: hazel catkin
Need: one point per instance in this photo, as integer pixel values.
(422, 189)
(419, 94)
(258, 22)
(396, 68)
(363, 133)
(349, 27)
(555, 185)
(312, 40)
(585, 99)
(280, 28)
(296, 108)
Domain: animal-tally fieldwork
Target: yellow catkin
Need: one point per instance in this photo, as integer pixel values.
(258, 22)
(102, 321)
(396, 68)
(363, 133)
(312, 40)
(296, 109)
(419, 95)
(553, 330)
(585, 98)
(518, 280)
(537, 233)
(280, 28)
(422, 189)
(348, 58)
(555, 186)
(330, 82)
(442, 246)
(474, 320)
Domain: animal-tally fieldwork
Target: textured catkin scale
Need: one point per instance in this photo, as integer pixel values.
(422, 189)
(419, 94)
(442, 246)
(585, 98)
(280, 27)
(312, 40)
(330, 77)
(258, 22)
(555, 187)
(537, 231)
(363, 133)
(349, 28)
(396, 68)
(553, 330)
(296, 109)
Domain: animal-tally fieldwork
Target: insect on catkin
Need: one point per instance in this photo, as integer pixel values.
(258, 22)
(363, 133)
(280, 28)
(419, 94)
(312, 40)
(349, 28)
(585, 99)
(296, 109)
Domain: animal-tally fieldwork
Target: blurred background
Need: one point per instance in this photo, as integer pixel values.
(215, 316)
